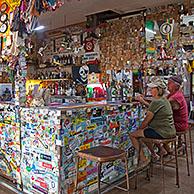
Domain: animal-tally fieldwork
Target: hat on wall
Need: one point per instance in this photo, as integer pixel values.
(177, 79)
(157, 83)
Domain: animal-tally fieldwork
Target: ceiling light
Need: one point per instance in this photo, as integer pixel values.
(39, 28)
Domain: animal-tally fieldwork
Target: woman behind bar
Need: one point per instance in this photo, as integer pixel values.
(158, 122)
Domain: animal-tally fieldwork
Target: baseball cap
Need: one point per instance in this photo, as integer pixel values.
(157, 83)
(177, 79)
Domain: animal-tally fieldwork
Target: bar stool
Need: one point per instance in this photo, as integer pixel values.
(191, 124)
(100, 155)
(172, 140)
(181, 148)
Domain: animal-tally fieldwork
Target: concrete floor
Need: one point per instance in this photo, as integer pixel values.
(5, 191)
(155, 184)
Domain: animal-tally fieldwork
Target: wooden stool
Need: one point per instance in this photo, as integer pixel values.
(102, 154)
(184, 134)
(162, 162)
(191, 124)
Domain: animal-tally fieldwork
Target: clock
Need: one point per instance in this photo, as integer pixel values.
(3, 28)
(3, 17)
(165, 28)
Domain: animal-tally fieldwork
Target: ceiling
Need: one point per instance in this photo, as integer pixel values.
(75, 11)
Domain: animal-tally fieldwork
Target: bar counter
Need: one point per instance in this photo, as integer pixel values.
(49, 137)
(10, 147)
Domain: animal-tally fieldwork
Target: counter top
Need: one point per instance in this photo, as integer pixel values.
(7, 102)
(67, 106)
(90, 105)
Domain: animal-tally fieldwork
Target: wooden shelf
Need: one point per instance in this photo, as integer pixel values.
(48, 80)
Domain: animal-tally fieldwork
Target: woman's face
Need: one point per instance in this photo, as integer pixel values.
(154, 92)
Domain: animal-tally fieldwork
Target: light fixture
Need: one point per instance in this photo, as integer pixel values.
(39, 28)
(151, 31)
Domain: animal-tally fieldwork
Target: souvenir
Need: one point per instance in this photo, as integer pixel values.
(4, 17)
(3, 7)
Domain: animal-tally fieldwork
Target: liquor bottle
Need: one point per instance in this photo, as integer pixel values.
(113, 93)
(69, 60)
(53, 89)
(124, 93)
(56, 88)
(62, 88)
(73, 60)
(65, 61)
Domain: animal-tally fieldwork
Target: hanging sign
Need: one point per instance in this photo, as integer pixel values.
(89, 44)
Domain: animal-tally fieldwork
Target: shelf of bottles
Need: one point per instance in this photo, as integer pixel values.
(64, 59)
(58, 81)
(52, 75)
(50, 80)
(57, 86)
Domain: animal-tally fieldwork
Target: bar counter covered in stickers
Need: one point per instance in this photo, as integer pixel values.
(38, 144)
(10, 147)
(51, 137)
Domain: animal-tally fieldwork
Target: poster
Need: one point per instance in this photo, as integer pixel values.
(80, 73)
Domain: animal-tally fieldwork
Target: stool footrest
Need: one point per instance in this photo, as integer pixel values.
(115, 186)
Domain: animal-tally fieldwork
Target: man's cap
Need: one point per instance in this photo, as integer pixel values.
(177, 79)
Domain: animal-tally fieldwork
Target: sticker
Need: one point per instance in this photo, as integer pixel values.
(39, 189)
(45, 157)
(46, 165)
(58, 142)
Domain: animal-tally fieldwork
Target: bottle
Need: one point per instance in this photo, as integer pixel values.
(69, 60)
(124, 94)
(113, 93)
(53, 89)
(56, 88)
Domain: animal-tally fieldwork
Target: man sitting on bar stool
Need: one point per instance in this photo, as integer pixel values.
(158, 123)
(178, 103)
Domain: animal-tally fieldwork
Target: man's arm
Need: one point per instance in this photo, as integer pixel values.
(175, 105)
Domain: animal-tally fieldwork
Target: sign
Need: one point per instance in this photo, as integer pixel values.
(91, 57)
(89, 44)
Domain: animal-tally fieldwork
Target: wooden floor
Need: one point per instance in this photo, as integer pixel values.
(155, 184)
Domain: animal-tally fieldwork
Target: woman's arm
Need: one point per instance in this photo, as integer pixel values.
(142, 101)
(146, 121)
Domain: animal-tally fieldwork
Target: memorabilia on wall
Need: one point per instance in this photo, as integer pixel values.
(80, 73)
